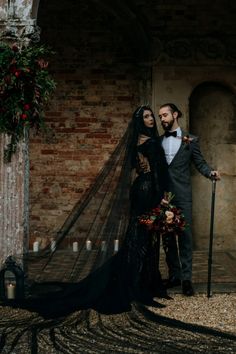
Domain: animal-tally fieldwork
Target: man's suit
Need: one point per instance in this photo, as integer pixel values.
(179, 183)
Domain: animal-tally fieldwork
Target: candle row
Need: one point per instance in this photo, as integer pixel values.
(103, 245)
(36, 246)
(75, 246)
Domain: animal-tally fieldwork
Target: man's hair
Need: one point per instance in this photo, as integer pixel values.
(173, 108)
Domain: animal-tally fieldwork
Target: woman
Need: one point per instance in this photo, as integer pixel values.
(146, 192)
(132, 274)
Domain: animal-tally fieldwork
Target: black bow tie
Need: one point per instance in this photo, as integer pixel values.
(167, 134)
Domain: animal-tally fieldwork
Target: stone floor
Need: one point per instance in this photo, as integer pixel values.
(185, 326)
(223, 271)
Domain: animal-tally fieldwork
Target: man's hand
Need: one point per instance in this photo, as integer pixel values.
(143, 164)
(215, 175)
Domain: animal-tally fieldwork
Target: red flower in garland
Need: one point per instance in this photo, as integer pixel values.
(17, 73)
(26, 107)
(23, 116)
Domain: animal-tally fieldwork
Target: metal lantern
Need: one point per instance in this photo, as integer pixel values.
(11, 281)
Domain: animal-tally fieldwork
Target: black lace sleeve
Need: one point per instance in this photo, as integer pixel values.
(153, 150)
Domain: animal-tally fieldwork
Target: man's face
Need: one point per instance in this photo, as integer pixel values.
(167, 118)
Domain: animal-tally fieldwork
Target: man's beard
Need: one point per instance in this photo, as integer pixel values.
(167, 126)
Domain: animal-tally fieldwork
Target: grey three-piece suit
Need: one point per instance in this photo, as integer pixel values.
(179, 183)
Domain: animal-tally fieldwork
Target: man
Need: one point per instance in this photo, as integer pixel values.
(180, 150)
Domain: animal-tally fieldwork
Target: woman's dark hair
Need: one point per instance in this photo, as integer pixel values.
(173, 108)
(138, 127)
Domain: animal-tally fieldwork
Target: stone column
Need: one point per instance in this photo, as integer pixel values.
(14, 195)
(16, 26)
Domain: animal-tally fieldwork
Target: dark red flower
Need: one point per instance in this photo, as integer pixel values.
(15, 48)
(26, 107)
(17, 73)
(23, 116)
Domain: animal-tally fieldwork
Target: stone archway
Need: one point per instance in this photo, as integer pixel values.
(212, 118)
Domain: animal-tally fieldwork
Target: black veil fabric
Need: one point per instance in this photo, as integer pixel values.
(60, 281)
(97, 223)
(103, 215)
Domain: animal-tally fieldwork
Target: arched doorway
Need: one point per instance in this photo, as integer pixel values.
(213, 118)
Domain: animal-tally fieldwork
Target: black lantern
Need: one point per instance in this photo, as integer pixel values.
(11, 281)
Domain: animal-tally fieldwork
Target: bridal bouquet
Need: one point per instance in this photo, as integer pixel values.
(166, 218)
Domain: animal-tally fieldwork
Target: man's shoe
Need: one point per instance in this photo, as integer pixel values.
(187, 288)
(171, 282)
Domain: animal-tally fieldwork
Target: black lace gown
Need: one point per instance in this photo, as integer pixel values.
(130, 275)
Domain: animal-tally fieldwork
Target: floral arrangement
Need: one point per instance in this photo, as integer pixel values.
(166, 218)
(25, 87)
(186, 139)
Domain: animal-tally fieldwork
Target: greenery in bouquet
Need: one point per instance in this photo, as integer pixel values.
(25, 88)
(166, 218)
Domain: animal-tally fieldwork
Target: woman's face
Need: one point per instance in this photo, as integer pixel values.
(148, 118)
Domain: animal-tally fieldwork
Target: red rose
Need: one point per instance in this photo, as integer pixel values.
(23, 116)
(15, 48)
(17, 73)
(26, 107)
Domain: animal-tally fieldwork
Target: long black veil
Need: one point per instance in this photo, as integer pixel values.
(97, 225)
(94, 230)
(101, 217)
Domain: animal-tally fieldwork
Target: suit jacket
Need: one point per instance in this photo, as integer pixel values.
(179, 174)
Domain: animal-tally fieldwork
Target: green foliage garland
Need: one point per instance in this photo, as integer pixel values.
(25, 88)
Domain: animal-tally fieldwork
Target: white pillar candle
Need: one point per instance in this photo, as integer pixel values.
(88, 245)
(11, 291)
(36, 246)
(53, 245)
(116, 245)
(75, 246)
(103, 246)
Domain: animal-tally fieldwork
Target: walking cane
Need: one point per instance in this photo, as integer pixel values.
(211, 235)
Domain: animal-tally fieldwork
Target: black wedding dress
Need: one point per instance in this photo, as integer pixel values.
(130, 275)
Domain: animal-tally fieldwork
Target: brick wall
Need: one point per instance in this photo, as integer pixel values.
(97, 91)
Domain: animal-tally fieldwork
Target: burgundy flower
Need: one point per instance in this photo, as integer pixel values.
(23, 116)
(186, 139)
(17, 73)
(26, 107)
(15, 48)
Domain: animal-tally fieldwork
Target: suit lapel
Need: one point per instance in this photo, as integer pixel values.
(181, 148)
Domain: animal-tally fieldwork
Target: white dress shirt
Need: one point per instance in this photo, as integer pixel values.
(171, 145)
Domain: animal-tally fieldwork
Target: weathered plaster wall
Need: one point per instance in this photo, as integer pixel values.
(213, 120)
